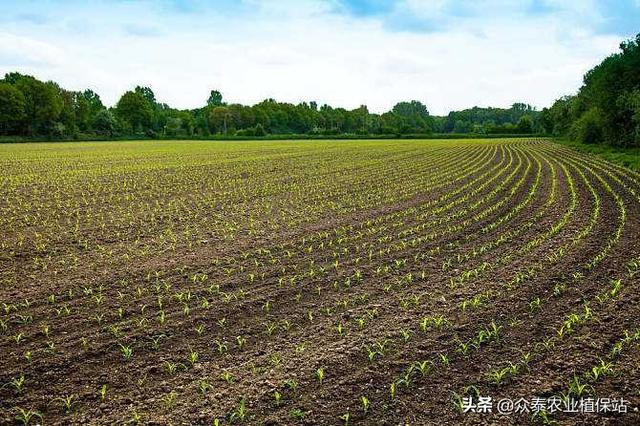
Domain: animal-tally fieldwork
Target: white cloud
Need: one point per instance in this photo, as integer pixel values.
(16, 50)
(313, 55)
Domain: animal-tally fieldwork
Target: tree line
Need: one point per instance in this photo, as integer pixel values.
(520, 118)
(606, 109)
(36, 109)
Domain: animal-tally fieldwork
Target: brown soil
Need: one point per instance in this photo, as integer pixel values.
(402, 256)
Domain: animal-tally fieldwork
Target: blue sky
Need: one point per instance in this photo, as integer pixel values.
(448, 54)
(620, 17)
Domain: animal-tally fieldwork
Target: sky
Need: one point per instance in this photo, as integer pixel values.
(447, 54)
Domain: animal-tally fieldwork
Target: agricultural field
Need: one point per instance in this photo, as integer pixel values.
(316, 282)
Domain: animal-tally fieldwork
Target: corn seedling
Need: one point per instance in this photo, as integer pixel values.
(424, 367)
(291, 384)
(227, 377)
(156, 340)
(170, 399)
(241, 412)
(103, 392)
(172, 367)
(241, 342)
(365, 404)
(193, 356)
(67, 402)
(298, 414)
(17, 383)
(127, 351)
(204, 386)
(577, 387)
(603, 368)
(444, 359)
(26, 416)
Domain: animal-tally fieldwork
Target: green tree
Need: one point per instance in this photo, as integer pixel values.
(87, 106)
(415, 116)
(215, 99)
(147, 93)
(462, 126)
(105, 123)
(173, 126)
(589, 128)
(525, 124)
(66, 123)
(259, 130)
(629, 103)
(602, 111)
(361, 119)
(220, 119)
(135, 110)
(12, 109)
(43, 103)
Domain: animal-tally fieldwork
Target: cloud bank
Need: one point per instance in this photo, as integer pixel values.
(448, 54)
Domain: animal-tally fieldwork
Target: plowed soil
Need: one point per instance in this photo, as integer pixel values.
(196, 282)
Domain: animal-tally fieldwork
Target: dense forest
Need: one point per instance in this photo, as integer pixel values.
(607, 107)
(33, 108)
(520, 118)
